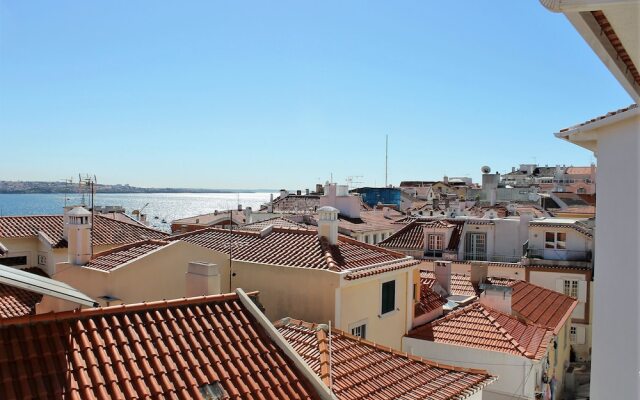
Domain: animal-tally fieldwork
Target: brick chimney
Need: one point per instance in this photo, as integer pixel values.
(328, 223)
(202, 279)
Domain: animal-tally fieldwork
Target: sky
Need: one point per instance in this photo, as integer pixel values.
(286, 94)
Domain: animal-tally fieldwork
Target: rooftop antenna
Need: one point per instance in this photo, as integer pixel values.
(386, 159)
(67, 182)
(90, 183)
(351, 182)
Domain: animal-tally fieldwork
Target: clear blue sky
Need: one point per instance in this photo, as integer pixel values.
(231, 94)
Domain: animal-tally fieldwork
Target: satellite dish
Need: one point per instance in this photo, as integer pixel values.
(485, 169)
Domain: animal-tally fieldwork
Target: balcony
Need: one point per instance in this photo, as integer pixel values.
(501, 258)
(559, 254)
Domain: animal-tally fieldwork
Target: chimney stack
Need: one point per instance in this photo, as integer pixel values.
(202, 279)
(270, 206)
(247, 215)
(442, 270)
(328, 223)
(78, 226)
(478, 273)
(497, 297)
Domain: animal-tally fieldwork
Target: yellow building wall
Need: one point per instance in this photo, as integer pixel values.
(361, 302)
(300, 293)
(157, 276)
(559, 359)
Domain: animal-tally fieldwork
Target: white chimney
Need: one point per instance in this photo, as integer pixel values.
(270, 207)
(497, 297)
(247, 215)
(328, 223)
(79, 235)
(478, 273)
(442, 270)
(202, 279)
(65, 221)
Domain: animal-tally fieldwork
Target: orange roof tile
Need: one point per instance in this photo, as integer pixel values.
(16, 302)
(429, 301)
(364, 370)
(481, 327)
(106, 231)
(166, 349)
(294, 248)
(276, 222)
(412, 236)
(113, 258)
(460, 284)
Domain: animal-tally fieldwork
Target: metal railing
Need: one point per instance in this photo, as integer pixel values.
(503, 258)
(559, 254)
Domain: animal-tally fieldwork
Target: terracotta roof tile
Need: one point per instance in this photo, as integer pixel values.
(276, 222)
(16, 302)
(294, 248)
(460, 284)
(429, 301)
(113, 258)
(412, 236)
(364, 370)
(167, 349)
(478, 326)
(107, 231)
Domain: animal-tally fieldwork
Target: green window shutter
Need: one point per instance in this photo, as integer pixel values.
(388, 297)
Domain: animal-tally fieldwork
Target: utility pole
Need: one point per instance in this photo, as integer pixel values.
(386, 160)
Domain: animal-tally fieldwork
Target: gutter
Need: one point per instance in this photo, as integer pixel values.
(320, 388)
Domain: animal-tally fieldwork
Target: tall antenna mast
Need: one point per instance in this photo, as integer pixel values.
(386, 159)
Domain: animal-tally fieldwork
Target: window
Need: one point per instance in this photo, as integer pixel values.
(475, 247)
(14, 261)
(435, 242)
(571, 288)
(573, 334)
(360, 330)
(375, 238)
(388, 297)
(42, 259)
(366, 238)
(555, 240)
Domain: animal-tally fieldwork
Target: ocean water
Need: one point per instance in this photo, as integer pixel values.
(167, 206)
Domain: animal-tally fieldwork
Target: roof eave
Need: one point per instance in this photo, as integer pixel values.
(587, 135)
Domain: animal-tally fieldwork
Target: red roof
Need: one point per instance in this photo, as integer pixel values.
(364, 370)
(412, 236)
(165, 349)
(110, 259)
(429, 301)
(16, 302)
(460, 284)
(481, 327)
(106, 231)
(294, 248)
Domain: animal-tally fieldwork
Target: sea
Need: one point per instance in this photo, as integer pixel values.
(161, 208)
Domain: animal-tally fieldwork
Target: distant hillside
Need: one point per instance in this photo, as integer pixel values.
(18, 187)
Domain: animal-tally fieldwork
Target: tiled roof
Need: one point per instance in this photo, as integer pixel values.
(481, 327)
(429, 301)
(106, 231)
(460, 284)
(276, 222)
(165, 349)
(364, 370)
(601, 117)
(294, 248)
(110, 259)
(578, 171)
(16, 302)
(550, 224)
(540, 305)
(412, 237)
(536, 304)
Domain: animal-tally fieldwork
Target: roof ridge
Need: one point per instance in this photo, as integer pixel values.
(327, 253)
(369, 246)
(123, 308)
(212, 229)
(129, 246)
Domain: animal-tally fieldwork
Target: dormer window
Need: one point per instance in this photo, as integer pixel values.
(555, 240)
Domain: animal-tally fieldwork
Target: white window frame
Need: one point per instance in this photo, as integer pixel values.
(571, 287)
(573, 334)
(555, 242)
(395, 297)
(435, 241)
(356, 326)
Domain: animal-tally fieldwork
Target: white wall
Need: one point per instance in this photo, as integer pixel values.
(511, 370)
(616, 348)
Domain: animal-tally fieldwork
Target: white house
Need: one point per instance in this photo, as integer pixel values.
(611, 30)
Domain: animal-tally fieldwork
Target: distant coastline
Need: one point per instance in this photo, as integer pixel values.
(35, 187)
